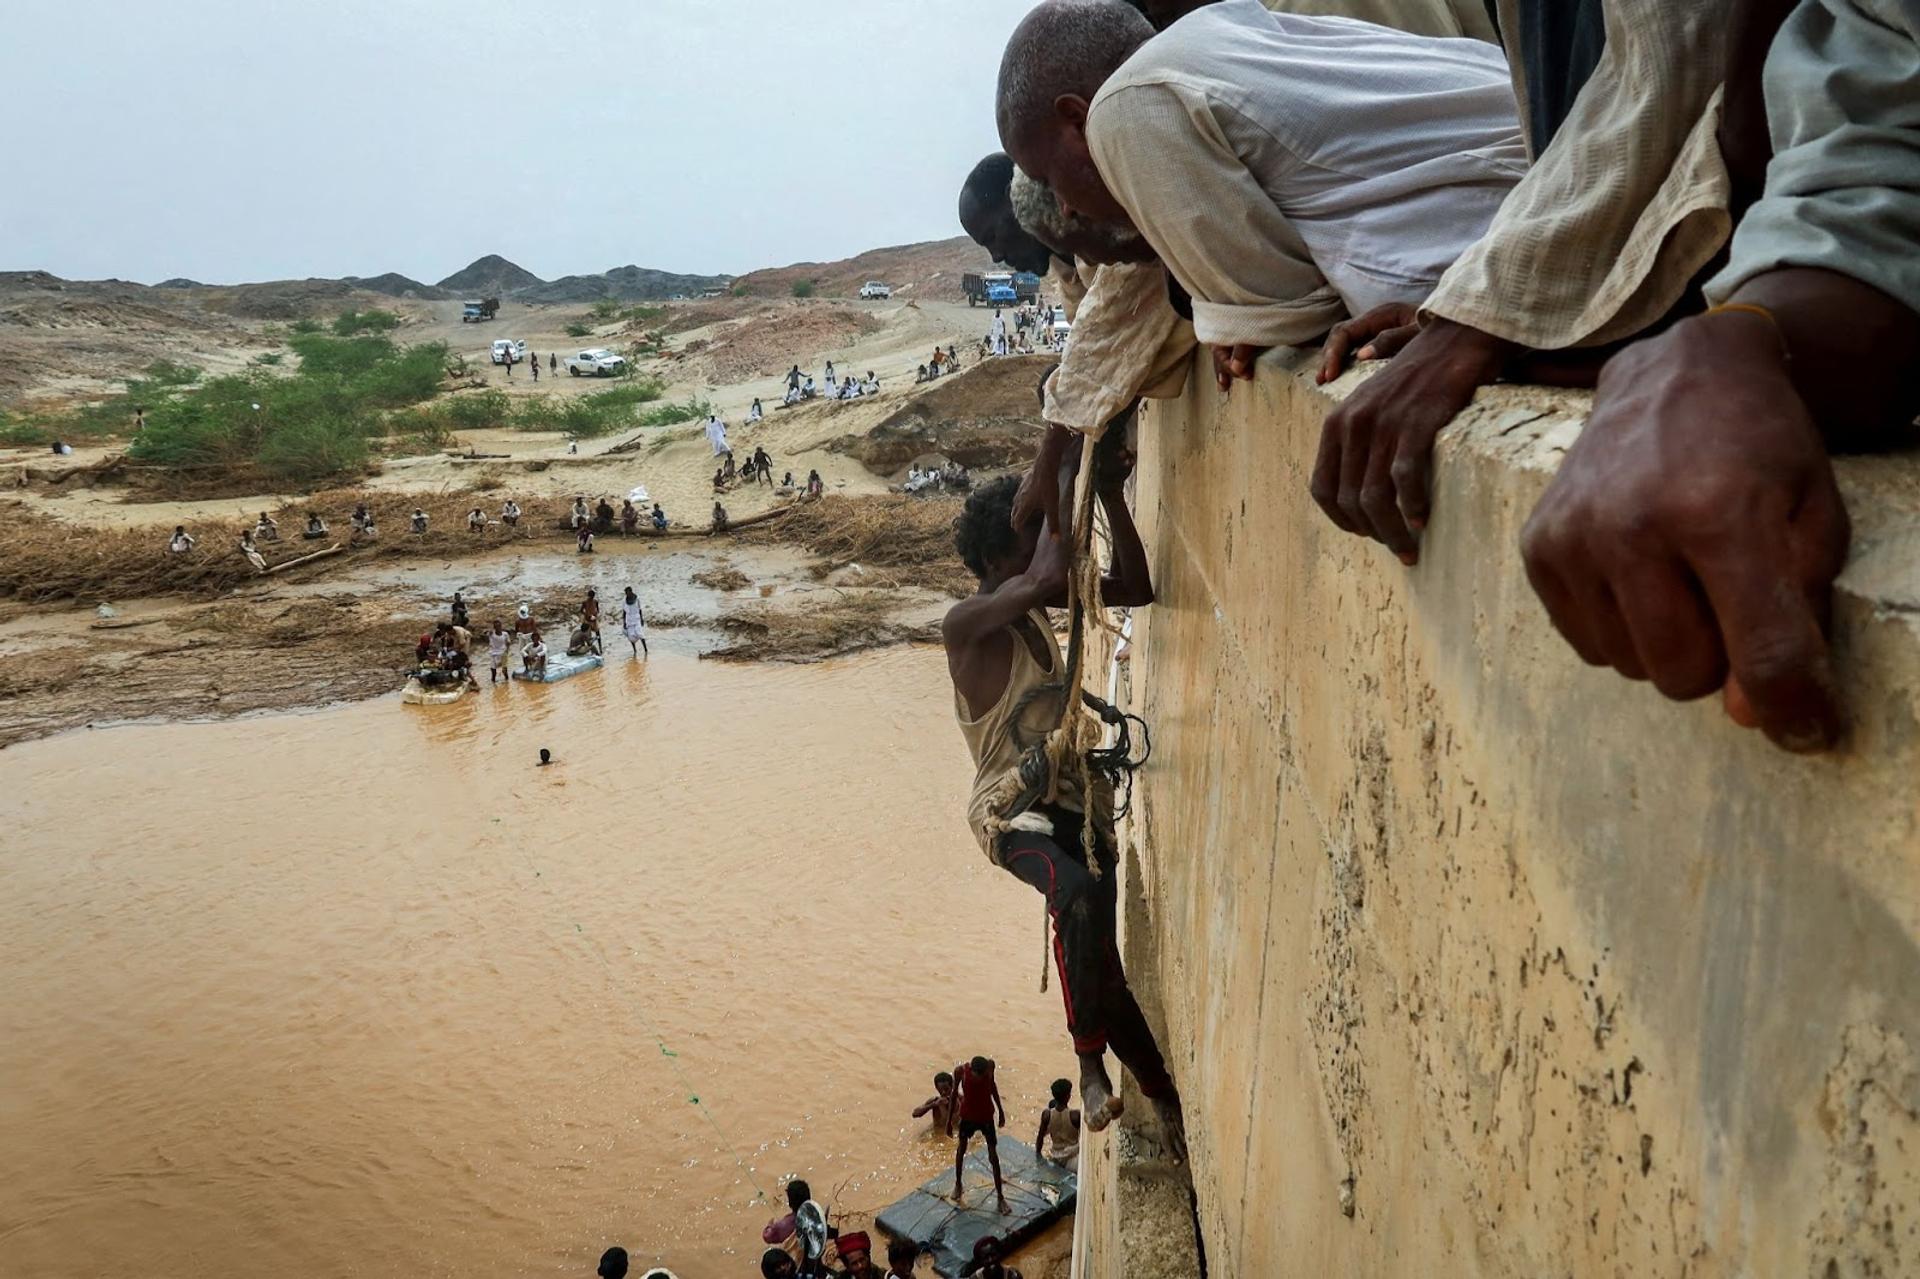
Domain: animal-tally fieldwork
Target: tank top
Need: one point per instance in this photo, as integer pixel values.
(1060, 1130)
(991, 737)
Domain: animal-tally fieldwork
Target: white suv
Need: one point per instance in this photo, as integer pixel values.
(875, 289)
(509, 351)
(598, 362)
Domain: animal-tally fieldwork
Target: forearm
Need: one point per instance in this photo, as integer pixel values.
(1853, 351)
(1130, 583)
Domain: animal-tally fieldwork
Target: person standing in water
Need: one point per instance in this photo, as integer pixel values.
(633, 623)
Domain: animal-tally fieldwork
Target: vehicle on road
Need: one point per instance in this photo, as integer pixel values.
(598, 362)
(1026, 285)
(509, 351)
(875, 289)
(479, 310)
(1059, 324)
(992, 289)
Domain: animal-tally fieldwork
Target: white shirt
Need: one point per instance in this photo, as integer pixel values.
(497, 643)
(1292, 170)
(717, 435)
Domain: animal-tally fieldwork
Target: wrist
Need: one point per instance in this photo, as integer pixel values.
(1464, 349)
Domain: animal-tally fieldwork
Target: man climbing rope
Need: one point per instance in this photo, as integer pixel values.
(1010, 685)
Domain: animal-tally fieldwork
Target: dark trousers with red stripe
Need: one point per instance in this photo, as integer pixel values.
(1101, 1010)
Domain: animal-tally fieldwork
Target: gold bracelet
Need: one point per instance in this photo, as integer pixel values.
(1765, 313)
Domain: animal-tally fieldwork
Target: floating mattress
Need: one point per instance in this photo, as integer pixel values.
(1039, 1191)
(560, 666)
(417, 694)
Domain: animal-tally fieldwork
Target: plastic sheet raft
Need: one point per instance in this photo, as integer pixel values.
(1039, 1191)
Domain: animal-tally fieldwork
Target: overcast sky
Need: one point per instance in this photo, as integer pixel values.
(230, 140)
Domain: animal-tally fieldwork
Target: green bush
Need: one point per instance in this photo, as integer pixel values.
(313, 424)
(605, 309)
(687, 410)
(599, 413)
(803, 288)
(479, 409)
(577, 330)
(351, 323)
(642, 314)
(269, 358)
(306, 324)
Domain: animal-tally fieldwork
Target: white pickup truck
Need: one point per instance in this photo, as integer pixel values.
(598, 362)
(875, 289)
(509, 351)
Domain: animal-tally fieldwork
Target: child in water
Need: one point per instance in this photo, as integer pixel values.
(940, 1105)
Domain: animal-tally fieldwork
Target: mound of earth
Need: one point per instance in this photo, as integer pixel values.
(491, 274)
(282, 299)
(983, 417)
(623, 283)
(395, 285)
(772, 343)
(180, 282)
(928, 270)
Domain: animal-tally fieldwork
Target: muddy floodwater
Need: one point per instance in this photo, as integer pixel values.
(361, 991)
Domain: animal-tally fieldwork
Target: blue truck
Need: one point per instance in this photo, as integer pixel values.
(996, 288)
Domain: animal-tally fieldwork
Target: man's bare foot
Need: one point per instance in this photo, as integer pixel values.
(1101, 1105)
(1173, 1127)
(956, 1192)
(1005, 1207)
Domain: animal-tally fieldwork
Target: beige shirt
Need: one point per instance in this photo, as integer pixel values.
(1627, 204)
(1291, 170)
(1843, 191)
(1418, 17)
(1127, 341)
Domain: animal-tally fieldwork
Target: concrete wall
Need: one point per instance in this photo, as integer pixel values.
(1473, 960)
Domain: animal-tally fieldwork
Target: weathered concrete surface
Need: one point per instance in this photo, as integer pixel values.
(1475, 961)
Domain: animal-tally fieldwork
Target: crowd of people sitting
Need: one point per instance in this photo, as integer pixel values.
(948, 477)
(801, 387)
(942, 362)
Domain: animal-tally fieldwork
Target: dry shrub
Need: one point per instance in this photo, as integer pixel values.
(846, 624)
(913, 536)
(721, 577)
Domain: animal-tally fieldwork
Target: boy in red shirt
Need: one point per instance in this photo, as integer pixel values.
(979, 1098)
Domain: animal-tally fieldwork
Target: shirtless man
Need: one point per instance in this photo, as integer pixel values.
(1000, 647)
(940, 1105)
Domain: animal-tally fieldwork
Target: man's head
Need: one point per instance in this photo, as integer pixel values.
(943, 1084)
(798, 1192)
(1062, 1092)
(856, 1249)
(989, 546)
(988, 218)
(613, 1264)
(1071, 235)
(901, 1254)
(981, 1066)
(986, 1257)
(775, 1264)
(1164, 13)
(1059, 56)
